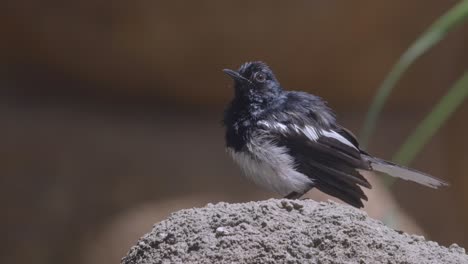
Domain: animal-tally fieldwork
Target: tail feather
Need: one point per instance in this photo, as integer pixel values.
(404, 173)
(346, 195)
(341, 183)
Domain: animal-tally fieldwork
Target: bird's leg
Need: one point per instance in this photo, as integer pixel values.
(296, 195)
(293, 195)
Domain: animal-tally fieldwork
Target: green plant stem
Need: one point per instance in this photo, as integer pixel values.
(436, 32)
(433, 121)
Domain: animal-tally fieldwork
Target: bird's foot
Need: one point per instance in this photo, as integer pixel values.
(293, 196)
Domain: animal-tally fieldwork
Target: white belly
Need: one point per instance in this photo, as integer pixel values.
(270, 167)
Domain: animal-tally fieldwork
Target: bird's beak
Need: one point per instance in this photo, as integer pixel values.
(235, 75)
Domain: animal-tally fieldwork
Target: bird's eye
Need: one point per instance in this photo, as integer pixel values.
(260, 77)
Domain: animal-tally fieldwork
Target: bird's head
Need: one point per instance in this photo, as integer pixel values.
(254, 80)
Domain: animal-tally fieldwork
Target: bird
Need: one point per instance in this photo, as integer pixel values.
(289, 142)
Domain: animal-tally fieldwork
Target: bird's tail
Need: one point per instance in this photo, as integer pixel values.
(404, 173)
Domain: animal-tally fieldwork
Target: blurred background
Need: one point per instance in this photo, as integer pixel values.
(111, 112)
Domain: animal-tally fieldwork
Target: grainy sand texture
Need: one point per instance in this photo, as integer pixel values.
(283, 231)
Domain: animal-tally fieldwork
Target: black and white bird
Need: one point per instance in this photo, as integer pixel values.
(289, 142)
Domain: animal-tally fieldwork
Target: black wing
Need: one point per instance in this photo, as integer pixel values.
(331, 157)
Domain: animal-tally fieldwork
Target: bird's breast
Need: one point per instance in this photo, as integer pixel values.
(269, 166)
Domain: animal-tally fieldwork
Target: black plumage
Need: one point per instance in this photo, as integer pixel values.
(290, 142)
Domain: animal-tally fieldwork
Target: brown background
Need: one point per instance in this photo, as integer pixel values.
(110, 111)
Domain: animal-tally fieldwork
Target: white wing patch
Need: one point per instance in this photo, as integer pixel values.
(275, 125)
(309, 131)
(338, 137)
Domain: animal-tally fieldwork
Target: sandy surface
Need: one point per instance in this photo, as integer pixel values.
(283, 231)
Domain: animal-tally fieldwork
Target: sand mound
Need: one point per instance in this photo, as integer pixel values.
(283, 231)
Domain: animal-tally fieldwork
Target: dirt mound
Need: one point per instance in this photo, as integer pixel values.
(283, 231)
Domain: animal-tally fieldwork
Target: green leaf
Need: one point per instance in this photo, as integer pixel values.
(436, 32)
(433, 121)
